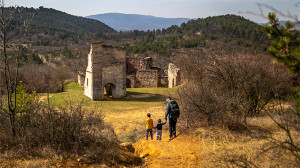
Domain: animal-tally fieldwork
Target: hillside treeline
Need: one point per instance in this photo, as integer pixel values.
(55, 23)
(225, 26)
(196, 33)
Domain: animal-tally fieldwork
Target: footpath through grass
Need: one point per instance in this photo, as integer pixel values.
(125, 115)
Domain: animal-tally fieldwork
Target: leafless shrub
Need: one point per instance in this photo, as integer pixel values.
(226, 90)
(280, 148)
(39, 78)
(62, 74)
(70, 132)
(44, 78)
(286, 142)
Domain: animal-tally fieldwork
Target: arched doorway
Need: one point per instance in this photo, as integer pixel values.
(109, 90)
(128, 83)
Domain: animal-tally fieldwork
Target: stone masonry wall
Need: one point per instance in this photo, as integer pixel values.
(81, 78)
(106, 65)
(147, 78)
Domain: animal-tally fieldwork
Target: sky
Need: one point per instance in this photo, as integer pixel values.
(165, 8)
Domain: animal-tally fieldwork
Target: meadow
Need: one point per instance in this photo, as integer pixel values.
(200, 146)
(125, 115)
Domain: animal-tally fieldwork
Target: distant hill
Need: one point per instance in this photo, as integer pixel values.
(223, 26)
(215, 32)
(53, 21)
(126, 22)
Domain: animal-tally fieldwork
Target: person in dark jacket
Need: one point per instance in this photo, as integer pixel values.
(159, 129)
(172, 119)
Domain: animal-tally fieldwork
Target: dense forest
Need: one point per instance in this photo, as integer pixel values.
(196, 33)
(225, 26)
(53, 22)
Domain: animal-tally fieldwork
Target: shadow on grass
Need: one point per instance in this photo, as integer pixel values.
(153, 98)
(128, 93)
(74, 92)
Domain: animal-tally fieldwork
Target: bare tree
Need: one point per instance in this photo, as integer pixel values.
(227, 90)
(9, 57)
(62, 74)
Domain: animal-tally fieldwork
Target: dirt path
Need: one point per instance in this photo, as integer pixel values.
(183, 151)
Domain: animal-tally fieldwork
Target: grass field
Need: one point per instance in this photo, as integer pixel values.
(197, 147)
(125, 115)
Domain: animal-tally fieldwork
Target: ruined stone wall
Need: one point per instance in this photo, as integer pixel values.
(140, 72)
(131, 81)
(81, 78)
(147, 78)
(136, 64)
(174, 76)
(132, 65)
(106, 65)
(146, 63)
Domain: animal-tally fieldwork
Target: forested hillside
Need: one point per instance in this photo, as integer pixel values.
(51, 21)
(225, 26)
(55, 33)
(198, 33)
(52, 33)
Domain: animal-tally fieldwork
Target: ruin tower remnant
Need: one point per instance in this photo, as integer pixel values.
(106, 72)
(174, 77)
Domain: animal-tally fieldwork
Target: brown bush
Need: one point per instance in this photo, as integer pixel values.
(44, 78)
(226, 90)
(70, 132)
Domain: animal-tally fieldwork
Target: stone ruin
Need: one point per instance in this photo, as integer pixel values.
(141, 73)
(81, 78)
(106, 72)
(174, 75)
(109, 72)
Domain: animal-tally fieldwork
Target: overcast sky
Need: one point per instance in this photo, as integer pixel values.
(163, 8)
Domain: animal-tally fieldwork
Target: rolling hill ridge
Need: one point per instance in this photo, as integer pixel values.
(127, 22)
(50, 21)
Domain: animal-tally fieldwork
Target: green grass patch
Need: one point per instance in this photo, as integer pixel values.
(154, 97)
(73, 93)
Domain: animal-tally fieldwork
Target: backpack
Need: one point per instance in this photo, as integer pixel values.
(175, 112)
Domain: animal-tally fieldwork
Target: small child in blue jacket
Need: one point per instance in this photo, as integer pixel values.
(159, 129)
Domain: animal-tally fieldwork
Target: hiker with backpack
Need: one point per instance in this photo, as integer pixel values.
(173, 113)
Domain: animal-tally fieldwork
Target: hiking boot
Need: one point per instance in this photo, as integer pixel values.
(146, 138)
(170, 138)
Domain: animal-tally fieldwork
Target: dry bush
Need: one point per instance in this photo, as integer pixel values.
(70, 132)
(224, 148)
(226, 90)
(286, 142)
(272, 141)
(44, 78)
(39, 78)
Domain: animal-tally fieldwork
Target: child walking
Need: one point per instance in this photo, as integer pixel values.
(149, 126)
(159, 129)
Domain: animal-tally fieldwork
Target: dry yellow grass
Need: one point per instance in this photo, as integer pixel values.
(224, 148)
(183, 151)
(204, 147)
